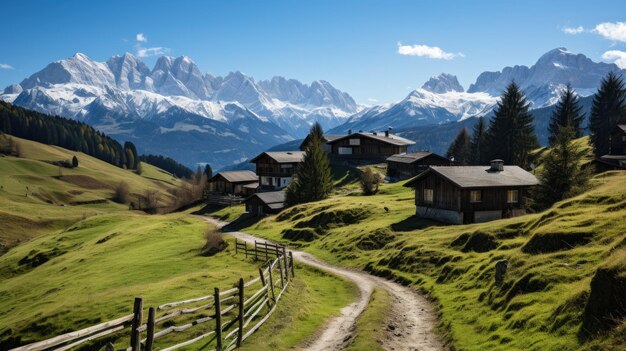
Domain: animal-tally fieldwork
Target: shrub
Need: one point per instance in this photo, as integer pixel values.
(370, 181)
(149, 202)
(214, 243)
(122, 193)
(74, 162)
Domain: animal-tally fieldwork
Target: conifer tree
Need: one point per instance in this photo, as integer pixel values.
(459, 150)
(562, 175)
(74, 162)
(511, 134)
(208, 171)
(568, 113)
(478, 148)
(608, 109)
(312, 180)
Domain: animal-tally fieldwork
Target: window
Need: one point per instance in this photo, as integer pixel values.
(428, 196)
(512, 196)
(475, 196)
(345, 150)
(355, 142)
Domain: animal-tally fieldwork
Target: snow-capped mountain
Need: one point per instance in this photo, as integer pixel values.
(441, 99)
(443, 83)
(543, 81)
(118, 95)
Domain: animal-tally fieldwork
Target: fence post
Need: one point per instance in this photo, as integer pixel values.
(236, 246)
(272, 282)
(256, 258)
(135, 340)
(286, 266)
(266, 253)
(265, 286)
(218, 319)
(240, 331)
(150, 330)
(293, 271)
(282, 274)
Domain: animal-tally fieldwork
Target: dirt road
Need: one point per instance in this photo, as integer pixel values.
(413, 318)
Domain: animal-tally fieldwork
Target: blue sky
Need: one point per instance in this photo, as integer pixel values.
(352, 44)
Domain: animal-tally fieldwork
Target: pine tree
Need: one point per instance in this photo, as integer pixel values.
(208, 171)
(478, 148)
(562, 175)
(74, 162)
(459, 150)
(511, 134)
(608, 109)
(568, 113)
(312, 180)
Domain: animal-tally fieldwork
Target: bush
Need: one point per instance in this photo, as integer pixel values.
(214, 243)
(122, 193)
(74, 162)
(370, 181)
(149, 202)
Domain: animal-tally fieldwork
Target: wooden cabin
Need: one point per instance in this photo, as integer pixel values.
(325, 139)
(276, 168)
(405, 166)
(372, 146)
(240, 183)
(617, 140)
(471, 194)
(266, 203)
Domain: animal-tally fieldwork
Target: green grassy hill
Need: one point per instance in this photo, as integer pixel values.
(38, 197)
(553, 257)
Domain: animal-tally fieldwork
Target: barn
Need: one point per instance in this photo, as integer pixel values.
(265, 203)
(240, 183)
(276, 168)
(471, 194)
(372, 146)
(405, 166)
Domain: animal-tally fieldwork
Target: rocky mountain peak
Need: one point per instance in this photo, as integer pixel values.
(443, 83)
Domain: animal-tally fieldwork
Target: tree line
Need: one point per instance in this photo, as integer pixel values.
(66, 133)
(168, 164)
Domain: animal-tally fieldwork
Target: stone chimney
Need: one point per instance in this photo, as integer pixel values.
(349, 131)
(497, 166)
(387, 132)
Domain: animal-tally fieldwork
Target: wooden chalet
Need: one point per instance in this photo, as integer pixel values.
(373, 146)
(265, 203)
(240, 183)
(325, 139)
(276, 168)
(471, 194)
(616, 158)
(405, 166)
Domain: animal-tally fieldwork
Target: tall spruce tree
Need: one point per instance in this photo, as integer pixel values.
(562, 175)
(208, 171)
(608, 109)
(312, 180)
(568, 113)
(460, 149)
(511, 135)
(478, 149)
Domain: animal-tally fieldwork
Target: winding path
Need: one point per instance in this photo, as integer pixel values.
(413, 317)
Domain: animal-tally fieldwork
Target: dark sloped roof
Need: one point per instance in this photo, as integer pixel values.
(252, 185)
(282, 156)
(412, 157)
(326, 138)
(391, 139)
(622, 127)
(614, 157)
(237, 176)
(270, 197)
(480, 176)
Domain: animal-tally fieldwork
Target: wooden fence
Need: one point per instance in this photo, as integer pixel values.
(224, 200)
(234, 314)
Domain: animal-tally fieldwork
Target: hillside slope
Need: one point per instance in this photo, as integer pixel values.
(565, 282)
(37, 196)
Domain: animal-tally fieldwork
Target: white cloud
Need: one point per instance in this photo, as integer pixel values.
(617, 57)
(573, 30)
(372, 100)
(613, 31)
(145, 52)
(5, 66)
(141, 38)
(433, 52)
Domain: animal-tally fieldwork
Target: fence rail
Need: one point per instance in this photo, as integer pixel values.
(232, 311)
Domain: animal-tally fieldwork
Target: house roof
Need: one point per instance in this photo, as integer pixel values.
(622, 127)
(251, 185)
(237, 176)
(273, 199)
(282, 156)
(480, 176)
(412, 157)
(613, 157)
(326, 139)
(380, 136)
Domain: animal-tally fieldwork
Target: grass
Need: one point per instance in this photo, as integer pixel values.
(37, 197)
(540, 304)
(370, 324)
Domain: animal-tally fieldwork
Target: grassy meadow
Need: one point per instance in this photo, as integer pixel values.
(552, 258)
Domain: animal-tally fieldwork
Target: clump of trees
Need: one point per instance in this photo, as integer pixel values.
(191, 189)
(460, 149)
(66, 133)
(370, 181)
(122, 193)
(168, 164)
(8, 146)
(312, 180)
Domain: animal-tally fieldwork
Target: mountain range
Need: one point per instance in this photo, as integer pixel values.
(175, 110)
